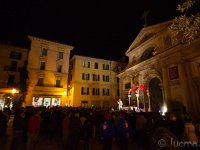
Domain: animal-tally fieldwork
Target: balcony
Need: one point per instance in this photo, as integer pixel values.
(49, 85)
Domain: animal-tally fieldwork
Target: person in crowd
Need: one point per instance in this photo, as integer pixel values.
(175, 125)
(124, 130)
(75, 131)
(107, 132)
(197, 130)
(18, 128)
(141, 126)
(3, 124)
(65, 133)
(189, 130)
(33, 129)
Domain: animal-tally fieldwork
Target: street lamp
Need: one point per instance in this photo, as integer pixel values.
(14, 91)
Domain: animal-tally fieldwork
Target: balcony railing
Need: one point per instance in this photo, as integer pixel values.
(49, 85)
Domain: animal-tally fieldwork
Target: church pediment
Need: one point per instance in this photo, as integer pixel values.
(147, 33)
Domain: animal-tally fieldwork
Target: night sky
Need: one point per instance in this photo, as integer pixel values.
(96, 28)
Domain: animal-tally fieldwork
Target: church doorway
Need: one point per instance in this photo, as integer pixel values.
(156, 94)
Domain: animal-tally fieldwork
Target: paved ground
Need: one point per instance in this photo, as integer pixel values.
(46, 144)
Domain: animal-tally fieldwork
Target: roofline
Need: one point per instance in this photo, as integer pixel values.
(52, 42)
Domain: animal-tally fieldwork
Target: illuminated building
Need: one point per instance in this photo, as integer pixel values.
(12, 59)
(169, 70)
(48, 64)
(93, 81)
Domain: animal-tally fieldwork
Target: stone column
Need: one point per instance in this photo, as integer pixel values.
(166, 87)
(186, 85)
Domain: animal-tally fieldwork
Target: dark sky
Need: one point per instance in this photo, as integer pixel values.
(97, 28)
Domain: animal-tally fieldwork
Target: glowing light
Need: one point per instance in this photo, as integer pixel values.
(164, 110)
(64, 93)
(14, 91)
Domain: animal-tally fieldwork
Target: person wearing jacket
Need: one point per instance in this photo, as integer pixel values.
(124, 130)
(107, 132)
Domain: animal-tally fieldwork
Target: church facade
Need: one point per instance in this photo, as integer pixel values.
(169, 71)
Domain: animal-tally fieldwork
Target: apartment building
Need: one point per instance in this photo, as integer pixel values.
(93, 82)
(48, 65)
(12, 60)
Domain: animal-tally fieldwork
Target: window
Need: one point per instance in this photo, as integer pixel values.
(44, 51)
(58, 83)
(60, 55)
(13, 66)
(85, 76)
(96, 65)
(11, 79)
(95, 91)
(95, 77)
(40, 81)
(15, 55)
(117, 80)
(105, 78)
(84, 91)
(86, 64)
(127, 85)
(105, 67)
(59, 68)
(106, 92)
(42, 65)
(119, 68)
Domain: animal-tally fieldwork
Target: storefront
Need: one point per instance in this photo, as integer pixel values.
(45, 101)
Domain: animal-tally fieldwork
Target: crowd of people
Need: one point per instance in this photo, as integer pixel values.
(75, 124)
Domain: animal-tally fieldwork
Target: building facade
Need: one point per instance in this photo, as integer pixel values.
(169, 70)
(93, 82)
(12, 59)
(48, 65)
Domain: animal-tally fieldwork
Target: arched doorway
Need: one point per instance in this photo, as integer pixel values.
(156, 95)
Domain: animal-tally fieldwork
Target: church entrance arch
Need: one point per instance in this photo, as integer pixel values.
(156, 94)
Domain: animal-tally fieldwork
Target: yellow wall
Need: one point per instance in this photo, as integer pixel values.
(77, 82)
(50, 73)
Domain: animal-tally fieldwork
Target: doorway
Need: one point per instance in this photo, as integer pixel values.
(156, 94)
